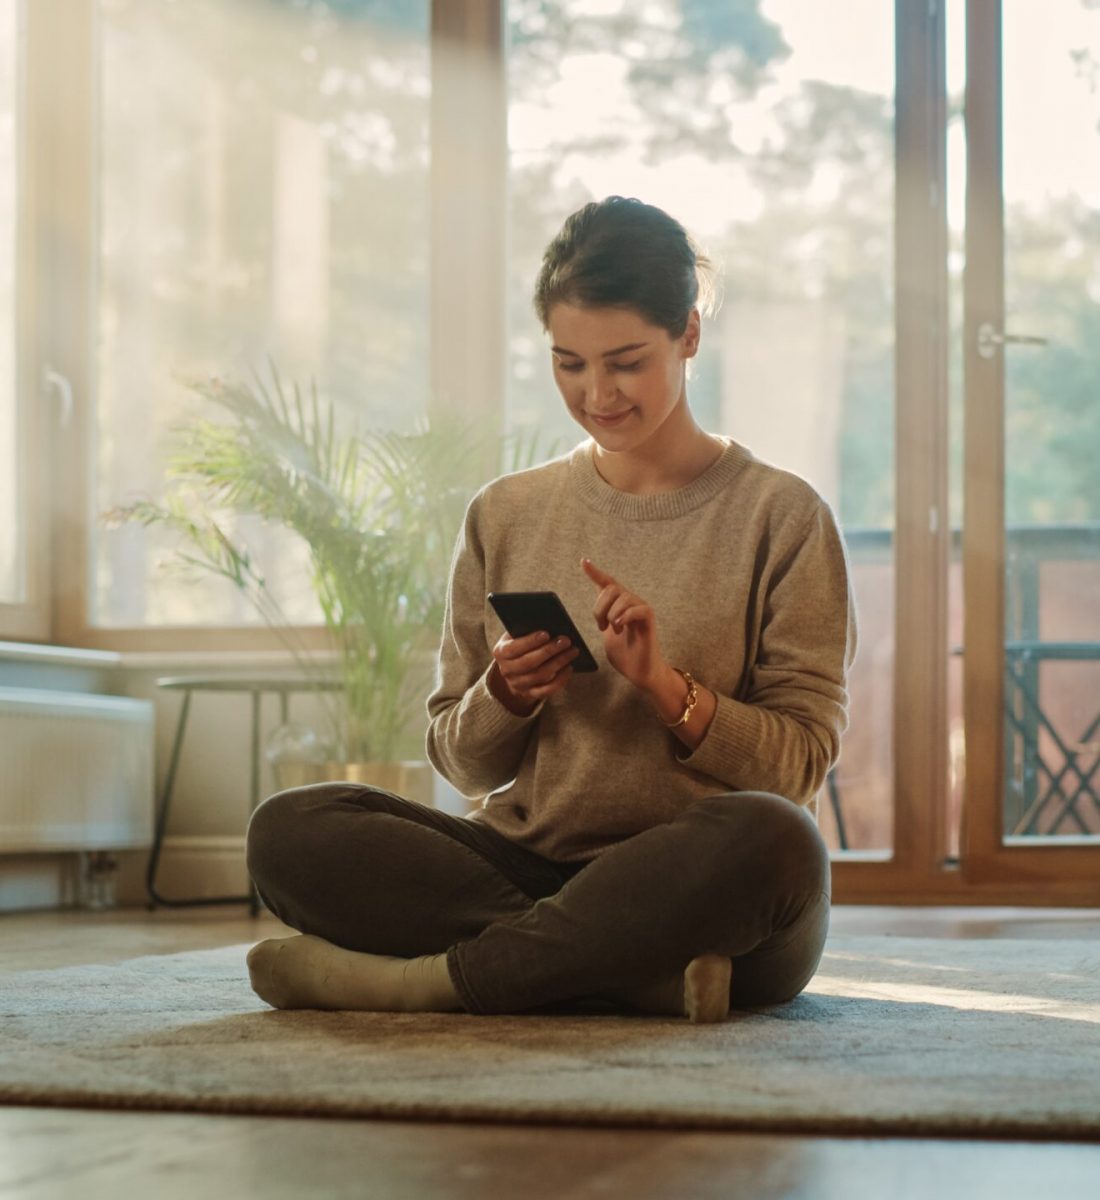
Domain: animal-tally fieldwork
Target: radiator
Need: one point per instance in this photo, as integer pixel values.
(76, 771)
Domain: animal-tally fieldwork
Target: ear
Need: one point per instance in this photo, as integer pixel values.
(690, 337)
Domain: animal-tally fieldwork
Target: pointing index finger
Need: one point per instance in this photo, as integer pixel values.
(595, 574)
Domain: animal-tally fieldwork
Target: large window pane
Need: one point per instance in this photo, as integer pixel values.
(12, 530)
(772, 140)
(263, 169)
(1051, 74)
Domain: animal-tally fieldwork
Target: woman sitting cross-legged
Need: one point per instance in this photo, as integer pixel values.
(647, 835)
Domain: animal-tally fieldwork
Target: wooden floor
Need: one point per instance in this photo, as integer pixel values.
(47, 1153)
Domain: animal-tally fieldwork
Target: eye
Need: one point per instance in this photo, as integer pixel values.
(634, 366)
(569, 366)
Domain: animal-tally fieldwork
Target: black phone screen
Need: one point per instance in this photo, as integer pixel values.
(533, 612)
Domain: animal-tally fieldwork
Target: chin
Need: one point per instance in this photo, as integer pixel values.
(617, 437)
(612, 441)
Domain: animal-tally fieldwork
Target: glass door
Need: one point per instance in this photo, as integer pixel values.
(1031, 536)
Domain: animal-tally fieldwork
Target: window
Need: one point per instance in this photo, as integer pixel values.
(1035, 284)
(327, 184)
(262, 190)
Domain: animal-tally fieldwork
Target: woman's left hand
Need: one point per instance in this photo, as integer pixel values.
(629, 628)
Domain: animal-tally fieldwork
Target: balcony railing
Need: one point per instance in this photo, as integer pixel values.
(1052, 681)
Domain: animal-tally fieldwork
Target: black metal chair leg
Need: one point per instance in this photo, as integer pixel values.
(253, 895)
(838, 816)
(161, 820)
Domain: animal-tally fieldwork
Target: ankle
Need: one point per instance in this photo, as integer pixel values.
(427, 985)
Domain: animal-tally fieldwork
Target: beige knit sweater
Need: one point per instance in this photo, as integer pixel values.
(747, 575)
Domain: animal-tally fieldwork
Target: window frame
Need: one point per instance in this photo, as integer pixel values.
(467, 280)
(30, 618)
(1056, 865)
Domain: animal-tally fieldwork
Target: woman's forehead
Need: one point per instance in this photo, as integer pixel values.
(597, 330)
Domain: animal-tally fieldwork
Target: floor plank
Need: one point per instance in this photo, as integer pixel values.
(47, 1154)
(52, 1153)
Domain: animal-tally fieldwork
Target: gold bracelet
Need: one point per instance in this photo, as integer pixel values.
(689, 704)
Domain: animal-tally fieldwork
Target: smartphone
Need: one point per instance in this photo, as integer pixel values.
(531, 612)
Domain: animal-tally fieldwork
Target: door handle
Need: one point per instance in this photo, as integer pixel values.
(54, 379)
(989, 339)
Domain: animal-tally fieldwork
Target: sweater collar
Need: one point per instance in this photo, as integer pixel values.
(597, 493)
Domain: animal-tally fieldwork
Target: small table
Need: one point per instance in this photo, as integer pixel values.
(256, 687)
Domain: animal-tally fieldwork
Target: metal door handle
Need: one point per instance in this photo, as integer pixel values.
(989, 339)
(54, 379)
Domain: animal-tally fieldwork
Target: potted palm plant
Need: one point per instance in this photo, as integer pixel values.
(378, 511)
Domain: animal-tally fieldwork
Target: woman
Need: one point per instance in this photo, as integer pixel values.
(647, 837)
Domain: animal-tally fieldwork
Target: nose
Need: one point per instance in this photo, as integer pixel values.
(599, 393)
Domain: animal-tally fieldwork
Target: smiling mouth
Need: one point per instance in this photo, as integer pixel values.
(610, 418)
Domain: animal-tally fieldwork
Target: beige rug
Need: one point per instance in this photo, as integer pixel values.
(894, 1035)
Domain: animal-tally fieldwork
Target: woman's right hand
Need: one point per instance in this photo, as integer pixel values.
(528, 669)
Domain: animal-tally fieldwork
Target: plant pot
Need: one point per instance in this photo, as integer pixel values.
(409, 780)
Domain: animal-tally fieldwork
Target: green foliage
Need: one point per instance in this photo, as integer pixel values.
(1052, 436)
(379, 512)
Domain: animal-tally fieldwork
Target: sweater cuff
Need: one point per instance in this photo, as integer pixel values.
(727, 750)
(491, 720)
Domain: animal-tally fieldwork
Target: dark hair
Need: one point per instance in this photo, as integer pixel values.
(621, 253)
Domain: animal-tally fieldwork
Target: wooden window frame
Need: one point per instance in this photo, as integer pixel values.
(1060, 869)
(29, 618)
(467, 281)
(919, 870)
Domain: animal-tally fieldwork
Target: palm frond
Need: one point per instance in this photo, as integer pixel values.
(378, 510)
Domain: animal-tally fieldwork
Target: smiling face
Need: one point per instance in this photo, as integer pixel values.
(620, 377)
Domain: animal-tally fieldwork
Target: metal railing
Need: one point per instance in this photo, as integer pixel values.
(1048, 773)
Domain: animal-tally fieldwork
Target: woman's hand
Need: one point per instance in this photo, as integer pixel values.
(528, 669)
(629, 628)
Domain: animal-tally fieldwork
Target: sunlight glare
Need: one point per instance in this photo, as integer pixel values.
(961, 998)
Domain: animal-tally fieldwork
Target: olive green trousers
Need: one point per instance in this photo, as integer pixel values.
(742, 874)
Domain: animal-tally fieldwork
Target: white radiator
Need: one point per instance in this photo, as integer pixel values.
(76, 771)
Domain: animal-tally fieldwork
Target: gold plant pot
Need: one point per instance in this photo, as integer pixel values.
(409, 780)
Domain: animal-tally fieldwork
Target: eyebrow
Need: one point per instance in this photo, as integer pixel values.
(606, 353)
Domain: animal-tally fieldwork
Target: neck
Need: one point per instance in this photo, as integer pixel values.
(676, 454)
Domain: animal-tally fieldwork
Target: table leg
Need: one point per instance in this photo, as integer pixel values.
(253, 896)
(155, 898)
(165, 802)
